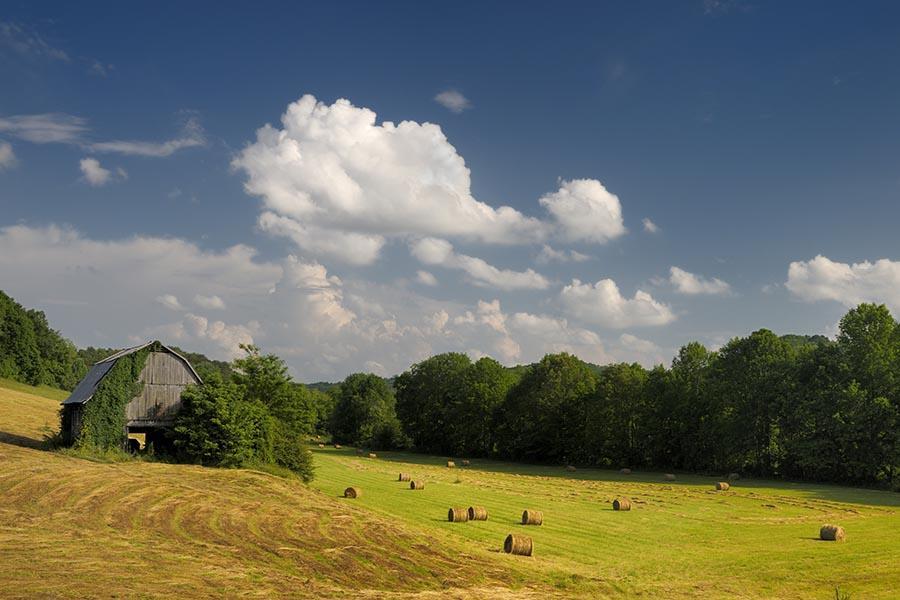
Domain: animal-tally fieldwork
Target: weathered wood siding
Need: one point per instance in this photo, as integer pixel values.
(164, 376)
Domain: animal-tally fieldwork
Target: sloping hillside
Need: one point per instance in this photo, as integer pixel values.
(73, 528)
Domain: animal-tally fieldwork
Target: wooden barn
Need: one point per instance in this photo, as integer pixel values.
(165, 374)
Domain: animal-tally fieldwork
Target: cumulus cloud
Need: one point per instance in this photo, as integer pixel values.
(433, 251)
(650, 226)
(603, 304)
(7, 156)
(341, 185)
(170, 301)
(585, 211)
(691, 284)
(549, 255)
(426, 278)
(194, 330)
(47, 128)
(850, 284)
(453, 101)
(209, 302)
(93, 173)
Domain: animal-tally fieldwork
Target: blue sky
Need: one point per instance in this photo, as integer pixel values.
(609, 179)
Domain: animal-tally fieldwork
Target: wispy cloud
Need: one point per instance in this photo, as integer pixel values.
(7, 156)
(47, 128)
(62, 128)
(27, 42)
(691, 284)
(453, 101)
(192, 135)
(650, 226)
(100, 69)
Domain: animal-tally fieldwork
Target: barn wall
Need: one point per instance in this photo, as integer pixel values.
(164, 376)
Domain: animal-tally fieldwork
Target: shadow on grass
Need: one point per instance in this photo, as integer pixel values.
(811, 490)
(21, 441)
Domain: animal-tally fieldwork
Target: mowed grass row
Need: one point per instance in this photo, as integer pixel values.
(681, 539)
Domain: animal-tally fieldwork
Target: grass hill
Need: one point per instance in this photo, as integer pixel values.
(75, 528)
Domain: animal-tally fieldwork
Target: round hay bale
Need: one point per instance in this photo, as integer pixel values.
(625, 471)
(722, 486)
(451, 464)
(352, 492)
(518, 544)
(466, 463)
(570, 468)
(337, 446)
(734, 476)
(669, 477)
(458, 515)
(309, 451)
(372, 455)
(404, 477)
(478, 513)
(321, 445)
(621, 504)
(417, 485)
(833, 533)
(532, 517)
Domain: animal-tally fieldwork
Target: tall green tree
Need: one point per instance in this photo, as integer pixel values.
(365, 413)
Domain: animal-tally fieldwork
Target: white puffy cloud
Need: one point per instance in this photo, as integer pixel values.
(340, 185)
(548, 255)
(170, 301)
(426, 278)
(209, 302)
(193, 330)
(850, 284)
(7, 156)
(603, 304)
(433, 251)
(585, 211)
(691, 284)
(650, 226)
(453, 101)
(93, 173)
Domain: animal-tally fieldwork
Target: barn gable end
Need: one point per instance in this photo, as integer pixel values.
(165, 374)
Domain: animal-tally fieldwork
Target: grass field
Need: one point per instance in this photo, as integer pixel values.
(74, 528)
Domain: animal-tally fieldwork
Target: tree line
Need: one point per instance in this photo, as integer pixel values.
(790, 406)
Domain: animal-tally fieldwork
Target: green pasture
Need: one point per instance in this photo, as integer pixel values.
(682, 539)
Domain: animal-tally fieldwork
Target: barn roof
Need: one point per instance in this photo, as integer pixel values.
(85, 390)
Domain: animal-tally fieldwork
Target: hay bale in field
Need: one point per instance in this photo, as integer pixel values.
(309, 451)
(518, 544)
(321, 445)
(337, 446)
(570, 468)
(669, 477)
(734, 476)
(458, 515)
(625, 471)
(352, 492)
(451, 464)
(532, 517)
(722, 486)
(466, 463)
(478, 513)
(417, 485)
(621, 504)
(833, 533)
(404, 477)
(372, 455)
